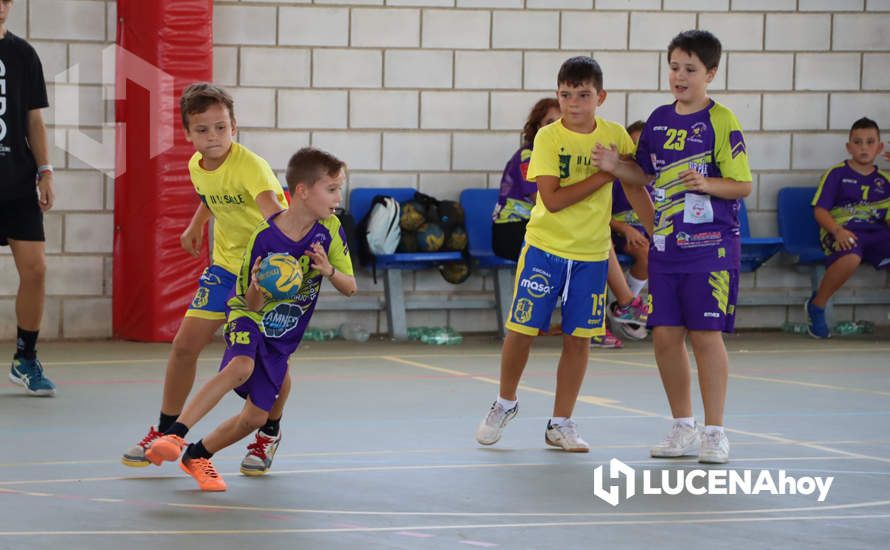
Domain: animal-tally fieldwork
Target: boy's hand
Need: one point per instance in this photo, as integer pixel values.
(844, 239)
(320, 260)
(605, 159)
(191, 240)
(634, 238)
(254, 283)
(695, 181)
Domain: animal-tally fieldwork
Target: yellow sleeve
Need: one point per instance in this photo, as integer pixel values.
(730, 151)
(338, 253)
(625, 143)
(545, 157)
(261, 178)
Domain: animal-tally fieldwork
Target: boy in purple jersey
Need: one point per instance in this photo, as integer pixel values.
(851, 205)
(695, 149)
(628, 233)
(261, 335)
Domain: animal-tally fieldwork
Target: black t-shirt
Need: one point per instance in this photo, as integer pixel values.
(21, 89)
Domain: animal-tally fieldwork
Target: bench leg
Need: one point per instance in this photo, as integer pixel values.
(503, 289)
(395, 304)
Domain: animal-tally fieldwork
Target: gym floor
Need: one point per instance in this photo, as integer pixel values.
(378, 452)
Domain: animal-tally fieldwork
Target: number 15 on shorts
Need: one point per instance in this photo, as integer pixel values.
(598, 310)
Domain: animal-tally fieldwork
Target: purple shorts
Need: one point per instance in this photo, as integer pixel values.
(244, 338)
(872, 246)
(697, 301)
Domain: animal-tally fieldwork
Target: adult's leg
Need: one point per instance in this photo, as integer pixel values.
(30, 262)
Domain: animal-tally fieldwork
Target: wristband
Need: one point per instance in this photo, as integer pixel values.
(333, 272)
(45, 168)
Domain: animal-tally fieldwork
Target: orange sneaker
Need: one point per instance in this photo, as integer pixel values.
(167, 447)
(204, 473)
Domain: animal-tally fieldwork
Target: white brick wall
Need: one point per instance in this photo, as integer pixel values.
(432, 94)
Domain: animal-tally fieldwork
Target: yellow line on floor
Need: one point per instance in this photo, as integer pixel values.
(608, 403)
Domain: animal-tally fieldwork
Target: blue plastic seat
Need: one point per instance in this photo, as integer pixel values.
(797, 225)
(755, 250)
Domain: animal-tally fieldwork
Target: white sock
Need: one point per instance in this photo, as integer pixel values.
(636, 285)
(507, 404)
(558, 421)
(689, 422)
(713, 429)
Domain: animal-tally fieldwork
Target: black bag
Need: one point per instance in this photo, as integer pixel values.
(347, 222)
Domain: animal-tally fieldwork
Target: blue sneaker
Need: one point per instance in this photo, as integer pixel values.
(29, 373)
(817, 326)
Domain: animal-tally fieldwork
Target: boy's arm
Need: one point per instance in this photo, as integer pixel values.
(844, 239)
(268, 204)
(344, 283)
(631, 235)
(724, 188)
(193, 235)
(627, 170)
(555, 198)
(254, 296)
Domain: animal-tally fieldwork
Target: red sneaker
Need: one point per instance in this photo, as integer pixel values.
(135, 455)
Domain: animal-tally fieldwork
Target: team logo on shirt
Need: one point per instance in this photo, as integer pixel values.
(282, 319)
(565, 163)
(698, 132)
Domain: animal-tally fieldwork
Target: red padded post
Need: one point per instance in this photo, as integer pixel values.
(163, 46)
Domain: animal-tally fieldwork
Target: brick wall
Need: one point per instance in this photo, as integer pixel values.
(432, 94)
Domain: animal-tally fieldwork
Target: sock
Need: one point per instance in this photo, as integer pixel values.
(26, 343)
(165, 421)
(271, 427)
(709, 429)
(178, 428)
(636, 285)
(557, 421)
(689, 422)
(197, 450)
(507, 404)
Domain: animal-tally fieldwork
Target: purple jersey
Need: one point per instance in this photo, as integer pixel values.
(283, 322)
(515, 202)
(856, 201)
(693, 232)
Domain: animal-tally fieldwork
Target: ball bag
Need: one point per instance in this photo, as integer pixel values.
(430, 237)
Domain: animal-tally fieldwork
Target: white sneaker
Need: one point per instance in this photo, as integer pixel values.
(489, 430)
(565, 436)
(714, 448)
(681, 441)
(260, 454)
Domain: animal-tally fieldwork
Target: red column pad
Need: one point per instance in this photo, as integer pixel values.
(164, 45)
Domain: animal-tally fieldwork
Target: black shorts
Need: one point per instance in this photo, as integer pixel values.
(507, 239)
(21, 220)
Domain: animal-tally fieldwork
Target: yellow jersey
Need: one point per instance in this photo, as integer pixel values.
(581, 230)
(230, 192)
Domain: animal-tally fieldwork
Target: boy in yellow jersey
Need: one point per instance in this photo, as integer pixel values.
(696, 150)
(566, 252)
(239, 190)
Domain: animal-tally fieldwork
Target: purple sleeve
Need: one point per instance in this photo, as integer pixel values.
(826, 194)
(642, 156)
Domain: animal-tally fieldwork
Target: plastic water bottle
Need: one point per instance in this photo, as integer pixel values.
(795, 328)
(354, 332)
(442, 337)
(846, 328)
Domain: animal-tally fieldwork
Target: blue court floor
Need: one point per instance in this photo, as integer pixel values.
(378, 452)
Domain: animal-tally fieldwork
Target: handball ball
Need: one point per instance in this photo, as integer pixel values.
(413, 215)
(280, 276)
(430, 237)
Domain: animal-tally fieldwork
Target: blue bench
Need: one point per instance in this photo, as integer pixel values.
(800, 231)
(755, 250)
(478, 204)
(392, 265)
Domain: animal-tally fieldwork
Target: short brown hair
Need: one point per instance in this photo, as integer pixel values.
(198, 97)
(308, 165)
(536, 117)
(636, 127)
